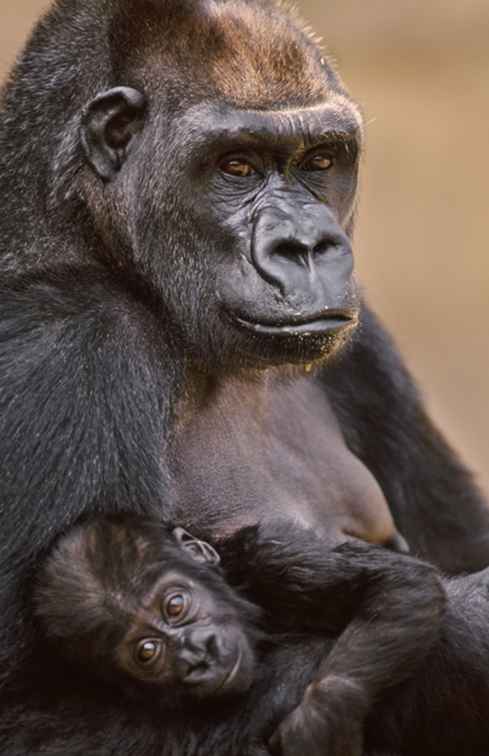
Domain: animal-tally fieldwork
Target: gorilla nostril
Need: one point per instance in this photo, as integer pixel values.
(299, 251)
(212, 646)
(290, 249)
(322, 247)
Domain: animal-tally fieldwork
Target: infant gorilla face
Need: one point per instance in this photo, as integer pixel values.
(184, 634)
(146, 605)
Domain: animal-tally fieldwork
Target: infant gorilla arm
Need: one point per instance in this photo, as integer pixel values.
(385, 610)
(147, 605)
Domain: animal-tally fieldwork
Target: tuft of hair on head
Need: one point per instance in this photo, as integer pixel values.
(251, 54)
(69, 593)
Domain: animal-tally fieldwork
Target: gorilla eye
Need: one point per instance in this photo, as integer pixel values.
(147, 652)
(237, 167)
(318, 162)
(176, 606)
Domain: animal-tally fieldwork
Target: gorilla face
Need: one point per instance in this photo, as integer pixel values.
(280, 188)
(248, 210)
(147, 607)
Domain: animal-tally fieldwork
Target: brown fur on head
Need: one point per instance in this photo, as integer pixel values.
(252, 55)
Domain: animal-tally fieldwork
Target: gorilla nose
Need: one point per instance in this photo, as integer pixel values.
(199, 650)
(291, 251)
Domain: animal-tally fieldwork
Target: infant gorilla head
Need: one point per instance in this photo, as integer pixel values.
(147, 605)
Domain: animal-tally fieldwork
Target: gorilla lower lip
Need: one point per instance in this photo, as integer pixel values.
(326, 323)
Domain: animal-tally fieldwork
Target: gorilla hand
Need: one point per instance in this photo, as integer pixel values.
(326, 722)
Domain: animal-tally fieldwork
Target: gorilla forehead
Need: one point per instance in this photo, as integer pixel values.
(256, 55)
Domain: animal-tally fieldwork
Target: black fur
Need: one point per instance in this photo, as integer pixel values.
(386, 608)
(362, 630)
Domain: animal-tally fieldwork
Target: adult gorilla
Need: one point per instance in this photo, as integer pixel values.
(178, 183)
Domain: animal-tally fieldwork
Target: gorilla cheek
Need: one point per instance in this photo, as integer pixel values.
(241, 290)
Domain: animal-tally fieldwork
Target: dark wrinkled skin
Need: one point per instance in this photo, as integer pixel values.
(179, 343)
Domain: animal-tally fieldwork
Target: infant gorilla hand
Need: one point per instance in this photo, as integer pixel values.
(328, 722)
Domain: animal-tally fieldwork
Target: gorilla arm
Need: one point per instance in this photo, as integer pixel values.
(434, 500)
(84, 403)
(394, 606)
(420, 661)
(443, 709)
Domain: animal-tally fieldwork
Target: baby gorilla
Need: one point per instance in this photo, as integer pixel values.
(148, 607)
(144, 604)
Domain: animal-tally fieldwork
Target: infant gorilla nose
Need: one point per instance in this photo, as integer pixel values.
(215, 661)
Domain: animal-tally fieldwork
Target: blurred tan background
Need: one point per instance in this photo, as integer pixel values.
(420, 68)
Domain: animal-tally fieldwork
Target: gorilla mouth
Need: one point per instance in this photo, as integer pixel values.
(230, 677)
(204, 683)
(329, 322)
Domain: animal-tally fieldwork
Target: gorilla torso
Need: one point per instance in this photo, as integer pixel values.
(274, 447)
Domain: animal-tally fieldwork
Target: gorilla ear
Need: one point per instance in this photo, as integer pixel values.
(199, 550)
(109, 124)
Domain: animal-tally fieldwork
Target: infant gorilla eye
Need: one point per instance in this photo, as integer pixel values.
(237, 167)
(176, 606)
(317, 162)
(147, 652)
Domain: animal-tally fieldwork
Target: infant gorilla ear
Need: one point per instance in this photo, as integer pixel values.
(198, 550)
(146, 604)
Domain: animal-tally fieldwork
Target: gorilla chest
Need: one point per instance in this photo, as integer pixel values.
(249, 456)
